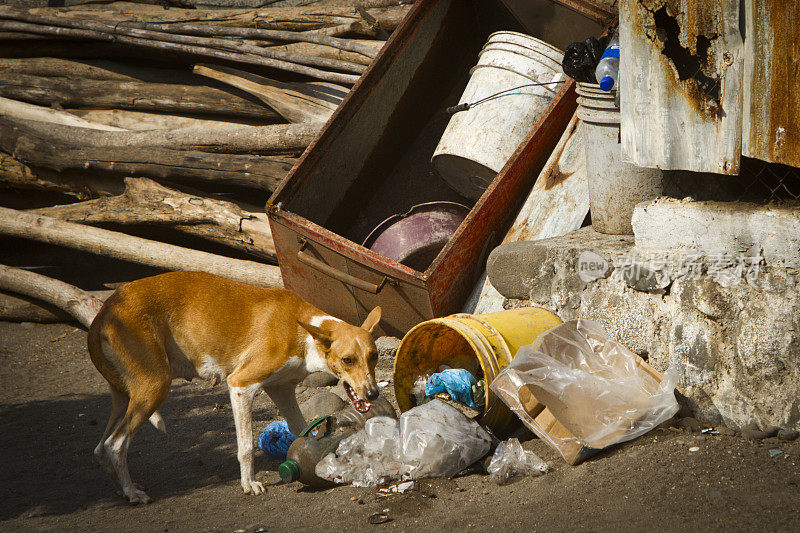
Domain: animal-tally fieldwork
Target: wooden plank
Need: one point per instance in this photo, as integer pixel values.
(557, 204)
(559, 201)
(680, 84)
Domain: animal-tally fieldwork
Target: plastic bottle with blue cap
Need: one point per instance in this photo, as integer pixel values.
(607, 70)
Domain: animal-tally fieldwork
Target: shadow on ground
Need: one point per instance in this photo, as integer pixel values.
(50, 470)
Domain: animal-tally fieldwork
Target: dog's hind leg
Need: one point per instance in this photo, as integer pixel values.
(143, 403)
(119, 404)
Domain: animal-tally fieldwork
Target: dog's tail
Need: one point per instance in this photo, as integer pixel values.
(158, 422)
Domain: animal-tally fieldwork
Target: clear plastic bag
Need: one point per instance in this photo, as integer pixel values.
(510, 461)
(365, 457)
(431, 440)
(597, 388)
(418, 389)
(437, 440)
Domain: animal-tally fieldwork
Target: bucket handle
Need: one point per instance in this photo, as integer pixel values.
(337, 274)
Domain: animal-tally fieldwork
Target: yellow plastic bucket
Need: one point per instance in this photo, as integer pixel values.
(482, 344)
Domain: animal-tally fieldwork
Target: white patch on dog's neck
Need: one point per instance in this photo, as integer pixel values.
(315, 359)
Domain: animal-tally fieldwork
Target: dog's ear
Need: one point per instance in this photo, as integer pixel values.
(323, 336)
(372, 320)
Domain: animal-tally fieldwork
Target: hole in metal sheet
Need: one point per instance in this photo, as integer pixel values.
(689, 66)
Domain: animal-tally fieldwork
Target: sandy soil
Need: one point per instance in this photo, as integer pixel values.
(53, 405)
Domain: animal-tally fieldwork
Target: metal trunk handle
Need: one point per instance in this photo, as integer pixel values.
(335, 273)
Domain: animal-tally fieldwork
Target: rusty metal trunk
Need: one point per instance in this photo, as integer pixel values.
(372, 161)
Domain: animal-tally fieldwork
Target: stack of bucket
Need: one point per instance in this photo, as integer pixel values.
(479, 142)
(615, 187)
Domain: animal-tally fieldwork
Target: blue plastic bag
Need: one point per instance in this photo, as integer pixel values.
(276, 439)
(456, 382)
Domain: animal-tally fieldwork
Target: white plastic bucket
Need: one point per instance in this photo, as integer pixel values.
(615, 187)
(527, 41)
(478, 142)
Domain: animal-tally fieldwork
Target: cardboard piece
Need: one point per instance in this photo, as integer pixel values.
(554, 428)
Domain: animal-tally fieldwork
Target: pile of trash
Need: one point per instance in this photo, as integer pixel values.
(432, 440)
(575, 388)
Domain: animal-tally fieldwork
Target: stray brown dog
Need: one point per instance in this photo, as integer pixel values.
(193, 324)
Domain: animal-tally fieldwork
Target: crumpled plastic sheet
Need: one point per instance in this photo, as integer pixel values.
(592, 384)
(276, 439)
(437, 440)
(367, 457)
(456, 382)
(432, 440)
(510, 461)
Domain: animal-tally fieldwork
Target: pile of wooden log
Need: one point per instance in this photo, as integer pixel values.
(136, 115)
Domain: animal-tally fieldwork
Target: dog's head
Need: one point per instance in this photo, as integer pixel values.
(351, 354)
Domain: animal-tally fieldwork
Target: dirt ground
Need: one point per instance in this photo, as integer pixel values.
(53, 405)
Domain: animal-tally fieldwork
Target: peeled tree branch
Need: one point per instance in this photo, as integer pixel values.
(79, 304)
(167, 33)
(81, 184)
(132, 95)
(145, 202)
(296, 102)
(164, 154)
(109, 34)
(258, 33)
(24, 308)
(229, 138)
(297, 19)
(133, 249)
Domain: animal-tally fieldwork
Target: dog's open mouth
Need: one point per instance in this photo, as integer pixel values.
(362, 406)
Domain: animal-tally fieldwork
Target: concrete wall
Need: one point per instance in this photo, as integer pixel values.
(732, 333)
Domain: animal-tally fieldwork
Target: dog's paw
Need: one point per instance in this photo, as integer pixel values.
(253, 487)
(136, 496)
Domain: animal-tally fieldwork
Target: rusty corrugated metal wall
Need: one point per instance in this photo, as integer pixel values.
(680, 84)
(704, 81)
(771, 81)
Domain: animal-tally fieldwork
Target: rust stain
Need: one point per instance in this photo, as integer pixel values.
(775, 83)
(685, 39)
(602, 11)
(555, 172)
(554, 177)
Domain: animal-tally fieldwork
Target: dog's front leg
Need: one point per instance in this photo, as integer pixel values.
(285, 398)
(242, 405)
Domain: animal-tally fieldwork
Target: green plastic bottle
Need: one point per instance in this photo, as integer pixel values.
(322, 437)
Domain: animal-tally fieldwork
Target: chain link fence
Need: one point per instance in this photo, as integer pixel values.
(768, 182)
(758, 182)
